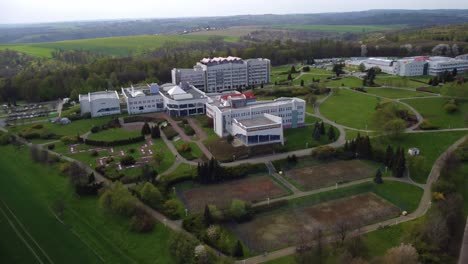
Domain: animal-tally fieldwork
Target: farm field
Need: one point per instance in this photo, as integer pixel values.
(282, 228)
(349, 108)
(432, 109)
(395, 93)
(102, 237)
(252, 189)
(439, 142)
(113, 46)
(343, 28)
(232, 32)
(326, 174)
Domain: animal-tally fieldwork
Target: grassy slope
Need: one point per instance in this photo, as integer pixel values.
(395, 93)
(31, 194)
(397, 81)
(298, 138)
(349, 108)
(342, 28)
(114, 46)
(432, 145)
(433, 110)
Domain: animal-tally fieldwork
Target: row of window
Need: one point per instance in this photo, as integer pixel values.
(145, 102)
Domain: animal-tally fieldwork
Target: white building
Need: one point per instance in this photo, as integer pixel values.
(254, 122)
(438, 65)
(386, 65)
(183, 100)
(221, 74)
(100, 103)
(144, 99)
(410, 67)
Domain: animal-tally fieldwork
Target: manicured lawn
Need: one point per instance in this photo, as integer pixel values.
(432, 109)
(307, 77)
(194, 153)
(352, 134)
(114, 134)
(431, 145)
(346, 82)
(30, 189)
(397, 81)
(395, 93)
(349, 108)
(300, 138)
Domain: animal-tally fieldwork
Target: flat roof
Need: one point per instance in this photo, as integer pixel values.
(100, 95)
(258, 121)
(277, 102)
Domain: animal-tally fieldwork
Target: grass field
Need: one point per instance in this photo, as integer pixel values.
(101, 235)
(432, 109)
(114, 134)
(194, 153)
(307, 77)
(395, 93)
(349, 108)
(231, 32)
(252, 189)
(113, 46)
(301, 138)
(326, 174)
(346, 81)
(397, 81)
(342, 28)
(431, 145)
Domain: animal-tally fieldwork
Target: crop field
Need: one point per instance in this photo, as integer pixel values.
(87, 234)
(251, 189)
(232, 32)
(349, 108)
(113, 46)
(343, 28)
(284, 228)
(395, 93)
(322, 175)
(433, 110)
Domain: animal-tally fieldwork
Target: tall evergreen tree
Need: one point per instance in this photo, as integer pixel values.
(238, 251)
(322, 128)
(155, 132)
(389, 157)
(378, 177)
(332, 136)
(145, 130)
(207, 217)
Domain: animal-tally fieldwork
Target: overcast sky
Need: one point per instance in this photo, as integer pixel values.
(32, 11)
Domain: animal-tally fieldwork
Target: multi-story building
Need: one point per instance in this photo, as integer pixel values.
(143, 99)
(221, 74)
(411, 67)
(438, 65)
(386, 65)
(254, 122)
(100, 103)
(183, 100)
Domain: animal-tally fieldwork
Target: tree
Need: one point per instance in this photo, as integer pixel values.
(302, 83)
(338, 69)
(341, 228)
(293, 69)
(78, 174)
(403, 254)
(158, 157)
(151, 195)
(74, 95)
(331, 134)
(389, 157)
(182, 248)
(117, 199)
(362, 67)
(322, 128)
(155, 132)
(230, 138)
(289, 77)
(145, 130)
(238, 251)
(239, 210)
(147, 173)
(316, 134)
(378, 177)
(207, 217)
(454, 72)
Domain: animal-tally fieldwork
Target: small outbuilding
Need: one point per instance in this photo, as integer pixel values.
(413, 151)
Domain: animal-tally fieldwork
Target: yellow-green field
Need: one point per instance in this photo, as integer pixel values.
(114, 46)
(342, 28)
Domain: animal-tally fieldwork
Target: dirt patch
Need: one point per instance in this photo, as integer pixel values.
(317, 176)
(287, 227)
(249, 189)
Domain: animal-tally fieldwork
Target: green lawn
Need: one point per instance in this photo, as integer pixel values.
(352, 134)
(307, 77)
(395, 93)
(113, 46)
(114, 134)
(346, 82)
(194, 153)
(350, 108)
(431, 145)
(397, 81)
(300, 138)
(342, 28)
(432, 109)
(30, 189)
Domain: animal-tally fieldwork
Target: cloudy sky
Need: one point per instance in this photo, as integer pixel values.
(32, 11)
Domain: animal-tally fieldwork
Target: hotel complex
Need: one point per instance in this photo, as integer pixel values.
(414, 66)
(222, 74)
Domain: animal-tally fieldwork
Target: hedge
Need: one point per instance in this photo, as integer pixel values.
(143, 119)
(121, 142)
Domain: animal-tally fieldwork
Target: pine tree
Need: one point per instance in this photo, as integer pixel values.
(378, 177)
(346, 146)
(155, 132)
(389, 157)
(290, 77)
(145, 130)
(322, 128)
(238, 251)
(332, 136)
(302, 83)
(317, 134)
(207, 217)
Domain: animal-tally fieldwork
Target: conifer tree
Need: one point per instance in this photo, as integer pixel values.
(378, 177)
(238, 250)
(207, 217)
(332, 136)
(322, 128)
(145, 130)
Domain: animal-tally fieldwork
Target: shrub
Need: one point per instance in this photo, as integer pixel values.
(151, 195)
(324, 152)
(142, 223)
(48, 135)
(450, 108)
(64, 167)
(99, 143)
(117, 199)
(230, 138)
(188, 130)
(185, 147)
(51, 146)
(443, 186)
(427, 125)
(37, 126)
(172, 208)
(128, 161)
(240, 210)
(4, 139)
(95, 129)
(132, 150)
(67, 140)
(32, 135)
(170, 132)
